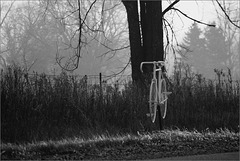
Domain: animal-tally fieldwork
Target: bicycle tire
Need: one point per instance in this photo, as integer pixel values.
(163, 98)
(153, 100)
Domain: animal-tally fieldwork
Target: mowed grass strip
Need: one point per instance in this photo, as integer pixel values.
(167, 143)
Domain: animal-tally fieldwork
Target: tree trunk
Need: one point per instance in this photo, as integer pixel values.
(145, 35)
(134, 38)
(146, 38)
(151, 20)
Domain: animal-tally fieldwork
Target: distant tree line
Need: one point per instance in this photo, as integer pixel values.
(42, 36)
(208, 49)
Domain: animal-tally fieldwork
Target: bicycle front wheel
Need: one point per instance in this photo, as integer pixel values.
(163, 98)
(153, 101)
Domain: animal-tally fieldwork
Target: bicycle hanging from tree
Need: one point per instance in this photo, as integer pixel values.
(158, 90)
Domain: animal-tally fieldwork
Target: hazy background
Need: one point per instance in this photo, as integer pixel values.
(32, 36)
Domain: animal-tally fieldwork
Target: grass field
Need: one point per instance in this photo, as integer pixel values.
(167, 143)
(39, 107)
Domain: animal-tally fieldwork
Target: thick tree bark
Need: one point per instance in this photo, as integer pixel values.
(145, 35)
(151, 20)
(134, 38)
(153, 37)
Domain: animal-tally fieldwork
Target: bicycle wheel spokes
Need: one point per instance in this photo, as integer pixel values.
(163, 98)
(153, 101)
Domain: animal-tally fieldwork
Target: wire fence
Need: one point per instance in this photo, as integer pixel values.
(92, 79)
(118, 80)
(108, 79)
(103, 80)
(115, 80)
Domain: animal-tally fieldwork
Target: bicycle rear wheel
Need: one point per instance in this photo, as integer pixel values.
(153, 101)
(163, 98)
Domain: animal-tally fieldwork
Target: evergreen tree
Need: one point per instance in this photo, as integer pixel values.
(194, 50)
(206, 51)
(217, 48)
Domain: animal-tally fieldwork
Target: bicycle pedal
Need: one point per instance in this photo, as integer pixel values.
(167, 93)
(152, 101)
(162, 102)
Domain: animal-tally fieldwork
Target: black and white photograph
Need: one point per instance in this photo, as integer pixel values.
(147, 80)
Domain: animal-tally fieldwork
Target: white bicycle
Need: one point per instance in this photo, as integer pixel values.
(158, 90)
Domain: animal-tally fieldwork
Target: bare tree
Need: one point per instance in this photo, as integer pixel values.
(29, 35)
(146, 30)
(103, 34)
(228, 14)
(3, 18)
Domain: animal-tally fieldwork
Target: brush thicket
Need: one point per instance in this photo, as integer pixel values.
(40, 107)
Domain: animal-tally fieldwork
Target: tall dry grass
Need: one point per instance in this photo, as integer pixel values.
(201, 103)
(39, 107)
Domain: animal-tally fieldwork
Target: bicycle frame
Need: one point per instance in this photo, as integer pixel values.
(156, 64)
(158, 84)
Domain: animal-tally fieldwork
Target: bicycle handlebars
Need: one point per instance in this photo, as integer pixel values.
(160, 63)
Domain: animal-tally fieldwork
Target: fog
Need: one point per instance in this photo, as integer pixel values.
(43, 37)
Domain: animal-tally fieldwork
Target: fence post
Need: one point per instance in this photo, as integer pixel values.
(100, 83)
(1, 75)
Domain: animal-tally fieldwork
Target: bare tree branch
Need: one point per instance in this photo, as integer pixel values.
(4, 51)
(73, 62)
(113, 50)
(169, 7)
(113, 6)
(28, 69)
(90, 26)
(78, 53)
(9, 9)
(210, 25)
(3, 61)
(174, 37)
(224, 11)
(115, 74)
